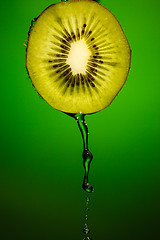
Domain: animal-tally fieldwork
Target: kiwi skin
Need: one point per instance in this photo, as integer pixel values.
(27, 47)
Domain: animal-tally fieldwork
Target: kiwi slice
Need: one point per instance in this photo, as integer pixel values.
(78, 57)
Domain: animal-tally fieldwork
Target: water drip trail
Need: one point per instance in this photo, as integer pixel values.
(86, 229)
(87, 158)
(87, 155)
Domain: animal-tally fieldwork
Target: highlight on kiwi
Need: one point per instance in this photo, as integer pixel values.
(78, 57)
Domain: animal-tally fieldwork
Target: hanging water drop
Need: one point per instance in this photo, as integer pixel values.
(87, 155)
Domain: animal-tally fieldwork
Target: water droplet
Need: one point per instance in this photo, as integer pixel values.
(86, 209)
(31, 25)
(87, 238)
(87, 155)
(86, 230)
(88, 188)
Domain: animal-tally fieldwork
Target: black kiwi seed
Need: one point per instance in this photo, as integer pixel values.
(94, 73)
(82, 32)
(91, 83)
(93, 69)
(55, 66)
(73, 81)
(82, 79)
(50, 61)
(68, 78)
(93, 64)
(64, 73)
(58, 65)
(62, 55)
(63, 51)
(64, 47)
(67, 35)
(90, 77)
(67, 71)
(94, 45)
(64, 41)
(90, 32)
(95, 60)
(77, 82)
(68, 38)
(73, 35)
(78, 79)
(84, 25)
(67, 75)
(92, 39)
(59, 60)
(69, 81)
(87, 83)
(78, 34)
(61, 69)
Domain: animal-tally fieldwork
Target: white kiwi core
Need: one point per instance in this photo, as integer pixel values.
(78, 57)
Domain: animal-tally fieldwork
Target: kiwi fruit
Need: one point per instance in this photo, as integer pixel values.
(78, 57)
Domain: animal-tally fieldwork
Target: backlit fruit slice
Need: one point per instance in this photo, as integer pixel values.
(78, 57)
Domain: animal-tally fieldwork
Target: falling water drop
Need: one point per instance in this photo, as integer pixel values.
(86, 229)
(87, 238)
(86, 217)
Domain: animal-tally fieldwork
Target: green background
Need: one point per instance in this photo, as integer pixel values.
(41, 170)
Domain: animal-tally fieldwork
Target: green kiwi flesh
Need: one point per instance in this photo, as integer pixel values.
(78, 57)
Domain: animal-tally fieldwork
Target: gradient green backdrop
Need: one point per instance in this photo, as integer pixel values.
(41, 168)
